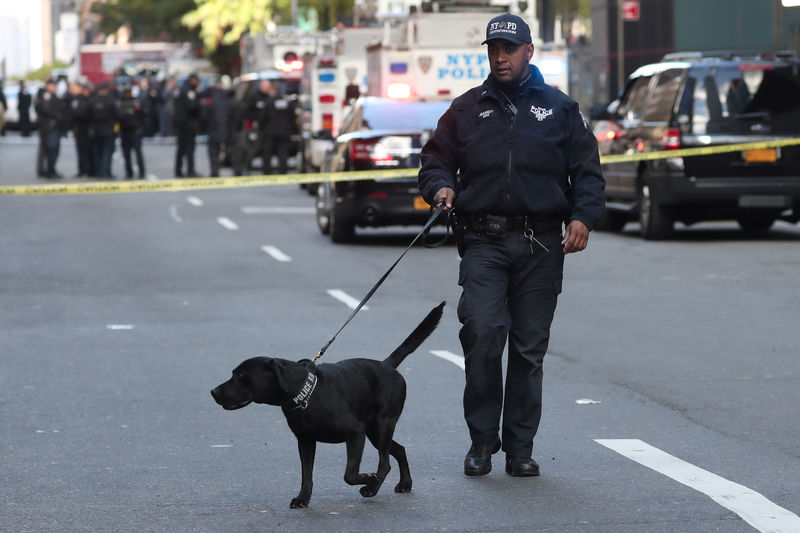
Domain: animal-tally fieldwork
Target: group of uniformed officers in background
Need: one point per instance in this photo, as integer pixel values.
(238, 132)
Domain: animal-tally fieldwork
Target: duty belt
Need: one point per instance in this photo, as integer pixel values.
(499, 225)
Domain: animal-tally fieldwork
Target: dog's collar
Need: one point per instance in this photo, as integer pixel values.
(300, 400)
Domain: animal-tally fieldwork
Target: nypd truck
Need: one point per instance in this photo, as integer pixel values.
(440, 56)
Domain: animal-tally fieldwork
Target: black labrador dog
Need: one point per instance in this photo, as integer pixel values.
(335, 402)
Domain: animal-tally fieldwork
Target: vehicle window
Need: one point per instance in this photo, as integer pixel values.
(685, 106)
(662, 98)
(352, 118)
(745, 99)
(631, 104)
(404, 115)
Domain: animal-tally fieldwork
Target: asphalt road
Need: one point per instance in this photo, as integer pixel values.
(671, 384)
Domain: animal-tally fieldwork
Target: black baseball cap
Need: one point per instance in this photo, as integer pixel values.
(509, 27)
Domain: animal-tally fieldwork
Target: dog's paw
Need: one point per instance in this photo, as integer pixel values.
(368, 491)
(403, 486)
(298, 503)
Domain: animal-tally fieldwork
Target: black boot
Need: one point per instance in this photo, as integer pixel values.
(479, 458)
(521, 466)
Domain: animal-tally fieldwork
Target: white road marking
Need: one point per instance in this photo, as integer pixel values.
(346, 299)
(587, 401)
(754, 508)
(276, 254)
(119, 326)
(277, 210)
(222, 445)
(195, 201)
(173, 211)
(450, 356)
(227, 223)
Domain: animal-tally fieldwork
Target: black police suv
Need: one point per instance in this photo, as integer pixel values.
(376, 134)
(704, 99)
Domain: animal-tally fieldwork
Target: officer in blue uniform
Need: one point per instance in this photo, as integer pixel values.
(52, 113)
(278, 129)
(187, 125)
(515, 160)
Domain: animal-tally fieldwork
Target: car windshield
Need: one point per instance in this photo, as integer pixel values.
(748, 99)
(399, 115)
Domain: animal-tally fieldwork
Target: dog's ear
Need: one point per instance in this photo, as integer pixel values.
(279, 369)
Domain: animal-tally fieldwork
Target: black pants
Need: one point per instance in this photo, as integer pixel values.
(83, 147)
(275, 145)
(215, 146)
(132, 142)
(52, 145)
(508, 293)
(186, 144)
(41, 154)
(103, 151)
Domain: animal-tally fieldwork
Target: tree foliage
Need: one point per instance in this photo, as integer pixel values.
(571, 10)
(153, 20)
(330, 12)
(225, 21)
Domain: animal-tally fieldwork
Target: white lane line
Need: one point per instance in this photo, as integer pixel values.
(195, 201)
(286, 210)
(173, 211)
(276, 254)
(754, 508)
(346, 299)
(450, 356)
(227, 223)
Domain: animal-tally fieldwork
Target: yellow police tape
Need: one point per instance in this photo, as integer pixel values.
(183, 184)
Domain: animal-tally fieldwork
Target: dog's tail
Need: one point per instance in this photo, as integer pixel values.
(416, 338)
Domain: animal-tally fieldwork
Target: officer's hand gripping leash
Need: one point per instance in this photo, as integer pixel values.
(437, 210)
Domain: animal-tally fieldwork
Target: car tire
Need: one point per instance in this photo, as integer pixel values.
(655, 219)
(341, 230)
(612, 221)
(755, 223)
(323, 207)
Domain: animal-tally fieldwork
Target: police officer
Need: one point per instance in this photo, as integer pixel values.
(187, 124)
(80, 123)
(3, 109)
(103, 122)
(51, 113)
(24, 102)
(149, 97)
(528, 163)
(222, 118)
(132, 115)
(278, 130)
(258, 113)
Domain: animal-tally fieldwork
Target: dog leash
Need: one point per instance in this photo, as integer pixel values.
(437, 210)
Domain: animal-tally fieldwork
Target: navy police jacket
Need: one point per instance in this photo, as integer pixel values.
(541, 162)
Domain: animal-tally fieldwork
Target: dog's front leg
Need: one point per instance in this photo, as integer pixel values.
(355, 449)
(307, 448)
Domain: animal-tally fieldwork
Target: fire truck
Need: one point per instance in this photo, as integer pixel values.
(102, 62)
(333, 79)
(286, 49)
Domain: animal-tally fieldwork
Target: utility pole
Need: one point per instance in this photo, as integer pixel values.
(621, 48)
(777, 24)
